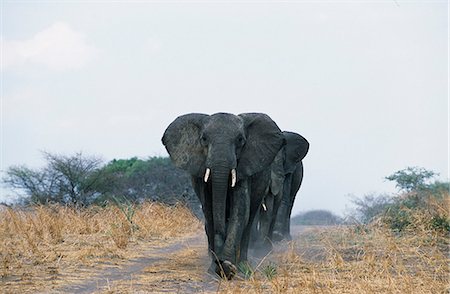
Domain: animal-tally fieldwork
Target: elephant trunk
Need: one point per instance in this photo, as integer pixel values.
(283, 216)
(219, 180)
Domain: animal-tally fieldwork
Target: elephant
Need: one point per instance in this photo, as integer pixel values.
(228, 157)
(273, 218)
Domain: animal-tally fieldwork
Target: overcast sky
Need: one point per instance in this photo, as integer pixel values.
(365, 82)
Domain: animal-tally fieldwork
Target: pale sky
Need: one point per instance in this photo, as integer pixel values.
(366, 82)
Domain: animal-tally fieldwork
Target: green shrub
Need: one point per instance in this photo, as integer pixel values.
(422, 205)
(419, 211)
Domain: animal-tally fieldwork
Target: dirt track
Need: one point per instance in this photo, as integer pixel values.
(177, 268)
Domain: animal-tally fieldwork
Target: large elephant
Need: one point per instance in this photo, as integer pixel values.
(273, 217)
(228, 157)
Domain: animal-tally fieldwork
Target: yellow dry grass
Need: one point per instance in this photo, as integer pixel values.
(361, 259)
(345, 260)
(320, 260)
(45, 247)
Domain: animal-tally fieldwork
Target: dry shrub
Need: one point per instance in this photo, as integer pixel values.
(419, 212)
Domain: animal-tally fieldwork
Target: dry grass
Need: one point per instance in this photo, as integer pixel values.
(345, 260)
(320, 260)
(43, 247)
(360, 259)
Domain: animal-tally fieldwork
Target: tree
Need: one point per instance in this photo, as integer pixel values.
(82, 180)
(411, 178)
(370, 206)
(421, 202)
(64, 179)
(39, 185)
(155, 178)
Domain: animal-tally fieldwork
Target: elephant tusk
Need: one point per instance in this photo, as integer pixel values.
(208, 171)
(264, 206)
(233, 178)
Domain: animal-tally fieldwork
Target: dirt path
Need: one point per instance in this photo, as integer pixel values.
(179, 267)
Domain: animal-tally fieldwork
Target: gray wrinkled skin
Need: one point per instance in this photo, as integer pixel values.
(222, 142)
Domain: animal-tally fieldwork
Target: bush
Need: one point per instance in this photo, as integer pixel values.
(155, 178)
(82, 180)
(421, 206)
(424, 211)
(370, 206)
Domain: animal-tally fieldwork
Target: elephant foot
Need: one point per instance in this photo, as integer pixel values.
(263, 250)
(277, 236)
(224, 269)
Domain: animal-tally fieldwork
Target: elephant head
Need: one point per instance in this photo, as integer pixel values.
(223, 150)
(286, 175)
(295, 149)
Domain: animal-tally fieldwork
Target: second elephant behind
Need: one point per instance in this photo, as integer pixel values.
(273, 220)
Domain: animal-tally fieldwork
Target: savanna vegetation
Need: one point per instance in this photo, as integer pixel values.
(81, 218)
(421, 201)
(80, 180)
(390, 244)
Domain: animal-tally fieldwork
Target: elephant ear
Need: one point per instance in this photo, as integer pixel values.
(277, 174)
(296, 149)
(182, 141)
(264, 140)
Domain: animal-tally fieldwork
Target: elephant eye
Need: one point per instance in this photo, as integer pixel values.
(204, 139)
(240, 140)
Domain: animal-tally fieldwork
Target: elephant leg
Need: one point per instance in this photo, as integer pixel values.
(238, 223)
(259, 188)
(200, 189)
(273, 216)
(254, 232)
(280, 229)
(259, 225)
(297, 178)
(265, 243)
(243, 255)
(265, 216)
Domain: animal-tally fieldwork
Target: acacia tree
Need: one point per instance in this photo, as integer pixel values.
(412, 179)
(38, 185)
(416, 187)
(64, 179)
(82, 180)
(370, 206)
